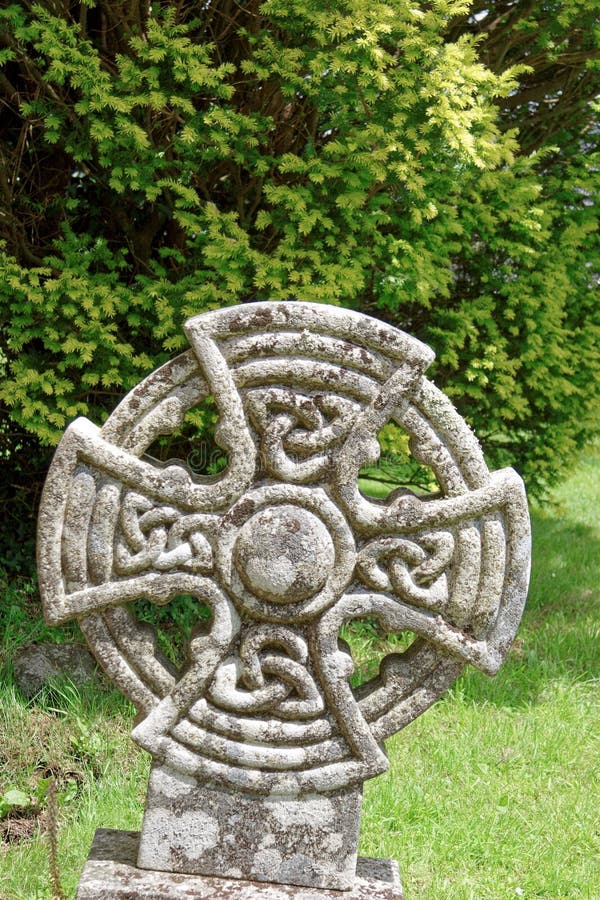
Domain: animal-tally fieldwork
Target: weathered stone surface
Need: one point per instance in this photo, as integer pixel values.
(191, 827)
(284, 549)
(111, 874)
(35, 665)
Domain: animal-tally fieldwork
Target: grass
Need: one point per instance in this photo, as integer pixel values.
(81, 740)
(491, 794)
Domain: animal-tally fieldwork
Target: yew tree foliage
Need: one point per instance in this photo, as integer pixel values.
(434, 164)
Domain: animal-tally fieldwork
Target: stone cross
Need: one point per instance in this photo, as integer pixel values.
(260, 745)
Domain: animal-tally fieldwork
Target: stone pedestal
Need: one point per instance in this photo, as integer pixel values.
(111, 874)
(193, 828)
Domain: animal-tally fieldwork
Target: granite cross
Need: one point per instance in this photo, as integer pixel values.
(260, 745)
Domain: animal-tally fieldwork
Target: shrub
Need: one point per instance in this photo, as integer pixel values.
(158, 161)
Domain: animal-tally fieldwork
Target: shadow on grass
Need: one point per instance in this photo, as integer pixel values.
(558, 640)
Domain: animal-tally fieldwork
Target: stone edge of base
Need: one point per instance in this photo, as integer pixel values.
(111, 873)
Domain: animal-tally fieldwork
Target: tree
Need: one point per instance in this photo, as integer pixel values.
(158, 160)
(541, 293)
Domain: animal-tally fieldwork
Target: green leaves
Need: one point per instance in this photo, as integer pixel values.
(14, 800)
(189, 157)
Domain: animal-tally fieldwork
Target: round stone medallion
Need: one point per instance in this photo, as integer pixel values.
(284, 554)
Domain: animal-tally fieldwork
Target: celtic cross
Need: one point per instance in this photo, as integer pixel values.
(284, 549)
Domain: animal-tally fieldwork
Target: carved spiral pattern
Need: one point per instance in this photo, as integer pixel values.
(284, 548)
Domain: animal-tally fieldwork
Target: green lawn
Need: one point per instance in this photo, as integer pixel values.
(492, 794)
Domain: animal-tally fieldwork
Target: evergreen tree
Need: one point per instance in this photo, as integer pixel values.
(434, 164)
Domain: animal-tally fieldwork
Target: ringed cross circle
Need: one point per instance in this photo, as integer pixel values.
(284, 548)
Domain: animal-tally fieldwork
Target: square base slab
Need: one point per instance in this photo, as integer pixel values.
(110, 873)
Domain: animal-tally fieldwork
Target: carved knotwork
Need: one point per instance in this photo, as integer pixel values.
(284, 548)
(160, 538)
(270, 675)
(414, 569)
(297, 431)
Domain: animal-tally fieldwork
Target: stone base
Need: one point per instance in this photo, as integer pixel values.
(111, 874)
(199, 829)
